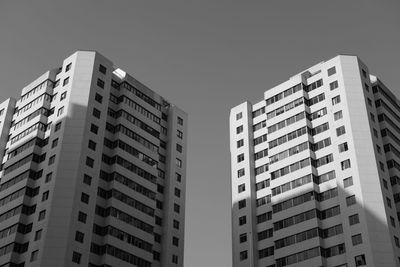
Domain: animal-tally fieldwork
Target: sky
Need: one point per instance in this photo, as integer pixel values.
(206, 57)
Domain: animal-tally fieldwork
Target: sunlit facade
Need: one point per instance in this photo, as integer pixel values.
(93, 170)
(315, 170)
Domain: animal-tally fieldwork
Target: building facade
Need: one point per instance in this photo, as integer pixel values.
(93, 170)
(315, 170)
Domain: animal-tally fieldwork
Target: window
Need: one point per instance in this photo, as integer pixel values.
(175, 241)
(42, 215)
(52, 159)
(180, 121)
(338, 115)
(63, 96)
(381, 166)
(79, 236)
(369, 101)
(92, 145)
(85, 198)
(98, 98)
(392, 222)
(385, 184)
(396, 241)
(178, 163)
(175, 259)
(179, 134)
(242, 220)
(45, 196)
(179, 148)
(94, 129)
(331, 71)
(239, 129)
(54, 143)
(340, 131)
(38, 235)
(48, 177)
(242, 204)
(243, 238)
(96, 113)
(100, 83)
(348, 182)
(87, 179)
(178, 177)
(240, 173)
(345, 164)
(240, 157)
(177, 192)
(34, 255)
(360, 260)
(241, 188)
(351, 200)
(389, 202)
(343, 147)
(176, 224)
(76, 257)
(82, 217)
(66, 81)
(240, 143)
(353, 219)
(364, 73)
(356, 239)
(58, 127)
(333, 85)
(375, 132)
(372, 117)
(102, 69)
(68, 67)
(336, 100)
(60, 111)
(243, 255)
(239, 116)
(177, 208)
(89, 162)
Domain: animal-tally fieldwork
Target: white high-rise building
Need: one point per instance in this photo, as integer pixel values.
(315, 170)
(93, 171)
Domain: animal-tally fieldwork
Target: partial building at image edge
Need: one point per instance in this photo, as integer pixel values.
(93, 170)
(315, 170)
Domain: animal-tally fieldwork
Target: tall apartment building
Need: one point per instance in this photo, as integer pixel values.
(315, 171)
(93, 170)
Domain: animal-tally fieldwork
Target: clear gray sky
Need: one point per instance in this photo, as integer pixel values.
(206, 57)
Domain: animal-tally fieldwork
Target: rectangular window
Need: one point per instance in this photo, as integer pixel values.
(179, 148)
(343, 147)
(48, 177)
(175, 259)
(54, 143)
(340, 131)
(180, 121)
(242, 204)
(102, 69)
(389, 202)
(76, 257)
(82, 217)
(92, 145)
(87, 179)
(42, 215)
(240, 173)
(89, 162)
(96, 113)
(338, 115)
(45, 195)
(177, 208)
(98, 98)
(52, 159)
(241, 188)
(66, 81)
(34, 255)
(100, 83)
(356, 239)
(360, 260)
(333, 85)
(60, 111)
(240, 143)
(240, 157)
(345, 164)
(353, 219)
(243, 238)
(94, 129)
(178, 177)
(85, 198)
(336, 100)
(63, 96)
(179, 134)
(351, 200)
(178, 163)
(239, 116)
(239, 129)
(177, 192)
(348, 182)
(79, 236)
(331, 71)
(58, 127)
(176, 224)
(243, 255)
(242, 220)
(38, 235)
(68, 67)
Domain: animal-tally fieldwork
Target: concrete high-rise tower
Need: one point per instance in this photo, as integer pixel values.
(93, 170)
(315, 171)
